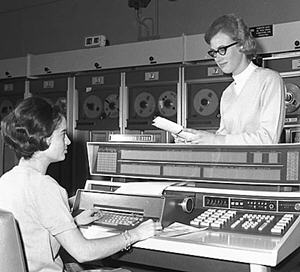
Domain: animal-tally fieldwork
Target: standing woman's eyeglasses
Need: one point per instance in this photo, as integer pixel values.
(221, 50)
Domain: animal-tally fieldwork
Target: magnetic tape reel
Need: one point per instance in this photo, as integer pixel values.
(167, 103)
(205, 102)
(111, 106)
(6, 107)
(144, 104)
(292, 97)
(92, 107)
(62, 103)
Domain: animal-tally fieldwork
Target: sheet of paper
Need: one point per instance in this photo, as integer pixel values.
(165, 124)
(177, 229)
(144, 188)
(95, 232)
(172, 127)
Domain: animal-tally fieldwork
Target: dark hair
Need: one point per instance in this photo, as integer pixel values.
(27, 127)
(235, 28)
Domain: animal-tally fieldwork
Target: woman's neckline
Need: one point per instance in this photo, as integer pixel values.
(35, 166)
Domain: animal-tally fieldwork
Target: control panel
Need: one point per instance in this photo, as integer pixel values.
(270, 216)
(270, 165)
(252, 204)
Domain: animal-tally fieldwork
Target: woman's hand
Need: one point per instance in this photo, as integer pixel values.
(145, 230)
(87, 216)
(178, 139)
(200, 137)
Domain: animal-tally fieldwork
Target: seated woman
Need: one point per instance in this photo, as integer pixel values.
(37, 133)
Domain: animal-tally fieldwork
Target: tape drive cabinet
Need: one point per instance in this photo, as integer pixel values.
(204, 83)
(289, 69)
(52, 88)
(98, 100)
(151, 92)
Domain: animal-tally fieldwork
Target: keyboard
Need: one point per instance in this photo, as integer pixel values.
(244, 222)
(119, 220)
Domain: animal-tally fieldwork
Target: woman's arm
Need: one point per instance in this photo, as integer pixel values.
(84, 250)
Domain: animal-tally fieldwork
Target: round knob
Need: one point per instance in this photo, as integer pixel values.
(297, 206)
(297, 43)
(187, 204)
(289, 98)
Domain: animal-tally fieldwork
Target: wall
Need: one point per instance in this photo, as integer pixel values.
(42, 26)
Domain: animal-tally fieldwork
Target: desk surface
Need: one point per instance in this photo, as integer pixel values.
(251, 249)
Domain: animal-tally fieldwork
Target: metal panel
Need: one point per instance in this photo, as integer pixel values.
(15, 67)
(115, 56)
(285, 37)
(195, 48)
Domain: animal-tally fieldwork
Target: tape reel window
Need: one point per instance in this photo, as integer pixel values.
(205, 84)
(204, 104)
(111, 106)
(145, 104)
(98, 107)
(152, 93)
(7, 104)
(292, 100)
(53, 89)
(167, 104)
(91, 107)
(288, 67)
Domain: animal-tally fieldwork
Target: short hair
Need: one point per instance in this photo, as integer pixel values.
(27, 127)
(234, 27)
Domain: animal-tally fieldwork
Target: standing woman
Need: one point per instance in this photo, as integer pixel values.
(37, 133)
(252, 107)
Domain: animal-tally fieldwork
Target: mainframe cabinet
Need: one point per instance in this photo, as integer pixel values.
(116, 56)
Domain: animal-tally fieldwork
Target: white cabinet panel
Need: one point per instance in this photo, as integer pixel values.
(275, 38)
(115, 56)
(144, 53)
(15, 67)
(63, 62)
(285, 37)
(195, 48)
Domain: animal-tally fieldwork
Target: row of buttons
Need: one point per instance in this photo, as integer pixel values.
(214, 218)
(248, 222)
(282, 224)
(251, 221)
(115, 219)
